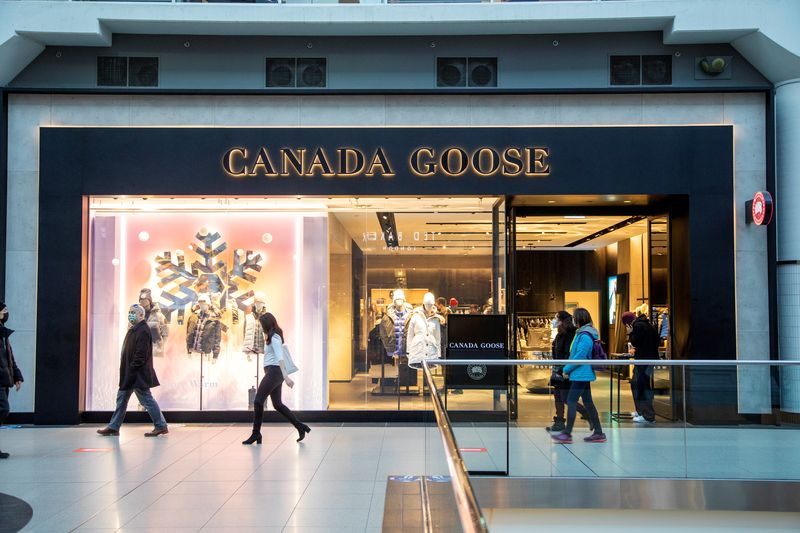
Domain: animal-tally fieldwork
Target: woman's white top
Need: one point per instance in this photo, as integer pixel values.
(273, 352)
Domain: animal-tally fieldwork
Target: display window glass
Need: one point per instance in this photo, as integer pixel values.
(335, 272)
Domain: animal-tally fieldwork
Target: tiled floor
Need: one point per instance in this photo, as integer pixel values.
(671, 451)
(200, 477)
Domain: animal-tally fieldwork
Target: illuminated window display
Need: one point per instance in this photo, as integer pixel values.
(205, 273)
(334, 271)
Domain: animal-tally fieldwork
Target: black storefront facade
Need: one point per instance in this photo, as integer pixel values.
(684, 172)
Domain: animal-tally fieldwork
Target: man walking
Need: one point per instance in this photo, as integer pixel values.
(10, 376)
(136, 375)
(644, 338)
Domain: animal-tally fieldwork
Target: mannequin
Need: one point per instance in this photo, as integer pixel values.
(424, 335)
(159, 329)
(393, 325)
(253, 334)
(204, 329)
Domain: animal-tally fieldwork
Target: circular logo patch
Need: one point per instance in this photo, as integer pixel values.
(476, 372)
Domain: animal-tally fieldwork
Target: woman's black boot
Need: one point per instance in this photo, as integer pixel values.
(255, 437)
(302, 429)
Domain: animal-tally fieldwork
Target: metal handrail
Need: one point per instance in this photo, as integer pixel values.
(469, 512)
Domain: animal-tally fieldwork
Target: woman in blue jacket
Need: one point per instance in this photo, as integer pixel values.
(580, 378)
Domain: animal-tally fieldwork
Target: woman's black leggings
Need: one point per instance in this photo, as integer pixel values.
(271, 385)
(581, 390)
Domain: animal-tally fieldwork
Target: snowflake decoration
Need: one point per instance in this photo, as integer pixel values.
(210, 274)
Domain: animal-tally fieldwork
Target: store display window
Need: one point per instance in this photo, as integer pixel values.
(361, 287)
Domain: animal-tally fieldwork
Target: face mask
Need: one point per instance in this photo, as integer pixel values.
(204, 307)
(554, 323)
(259, 307)
(132, 318)
(428, 307)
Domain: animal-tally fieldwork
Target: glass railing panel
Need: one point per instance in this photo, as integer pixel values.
(479, 415)
(740, 423)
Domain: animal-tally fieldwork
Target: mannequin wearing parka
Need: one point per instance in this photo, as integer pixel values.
(254, 341)
(159, 329)
(424, 334)
(204, 329)
(393, 325)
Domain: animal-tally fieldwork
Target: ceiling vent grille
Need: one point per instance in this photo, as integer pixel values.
(143, 72)
(116, 71)
(288, 72)
(625, 70)
(112, 71)
(466, 72)
(657, 70)
(640, 70)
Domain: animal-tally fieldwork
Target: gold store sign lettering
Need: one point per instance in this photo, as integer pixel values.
(240, 162)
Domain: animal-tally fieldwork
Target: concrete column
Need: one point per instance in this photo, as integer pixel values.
(787, 137)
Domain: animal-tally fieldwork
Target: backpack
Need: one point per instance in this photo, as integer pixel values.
(598, 352)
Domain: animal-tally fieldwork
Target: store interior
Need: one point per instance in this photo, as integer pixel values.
(331, 270)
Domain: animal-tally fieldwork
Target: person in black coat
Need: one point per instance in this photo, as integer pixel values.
(10, 376)
(560, 350)
(644, 338)
(136, 375)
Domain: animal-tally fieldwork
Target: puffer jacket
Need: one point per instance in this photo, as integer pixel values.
(159, 329)
(582, 346)
(423, 337)
(208, 327)
(387, 329)
(253, 334)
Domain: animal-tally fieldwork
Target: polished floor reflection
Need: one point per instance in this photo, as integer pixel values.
(202, 478)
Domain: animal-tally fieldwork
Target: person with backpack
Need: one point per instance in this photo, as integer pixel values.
(585, 346)
(645, 340)
(560, 350)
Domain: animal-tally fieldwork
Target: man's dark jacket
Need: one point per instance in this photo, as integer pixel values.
(136, 364)
(9, 372)
(644, 338)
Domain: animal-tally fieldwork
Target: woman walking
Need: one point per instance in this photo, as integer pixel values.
(581, 377)
(272, 382)
(560, 350)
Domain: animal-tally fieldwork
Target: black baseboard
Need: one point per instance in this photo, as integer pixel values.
(19, 418)
(231, 417)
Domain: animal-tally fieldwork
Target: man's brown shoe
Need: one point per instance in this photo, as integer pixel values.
(156, 432)
(108, 432)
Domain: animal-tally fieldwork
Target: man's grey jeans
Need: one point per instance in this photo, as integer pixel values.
(148, 402)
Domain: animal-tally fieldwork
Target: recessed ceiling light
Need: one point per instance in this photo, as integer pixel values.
(574, 216)
(626, 201)
(551, 201)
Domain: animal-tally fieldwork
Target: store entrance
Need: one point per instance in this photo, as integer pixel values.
(608, 260)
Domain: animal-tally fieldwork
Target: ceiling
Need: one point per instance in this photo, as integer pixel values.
(425, 225)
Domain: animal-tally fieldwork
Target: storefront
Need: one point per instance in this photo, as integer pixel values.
(321, 225)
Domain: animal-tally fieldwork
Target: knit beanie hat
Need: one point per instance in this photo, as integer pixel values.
(628, 318)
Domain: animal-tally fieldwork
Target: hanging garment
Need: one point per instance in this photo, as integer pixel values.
(393, 328)
(423, 338)
(253, 334)
(204, 332)
(159, 329)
